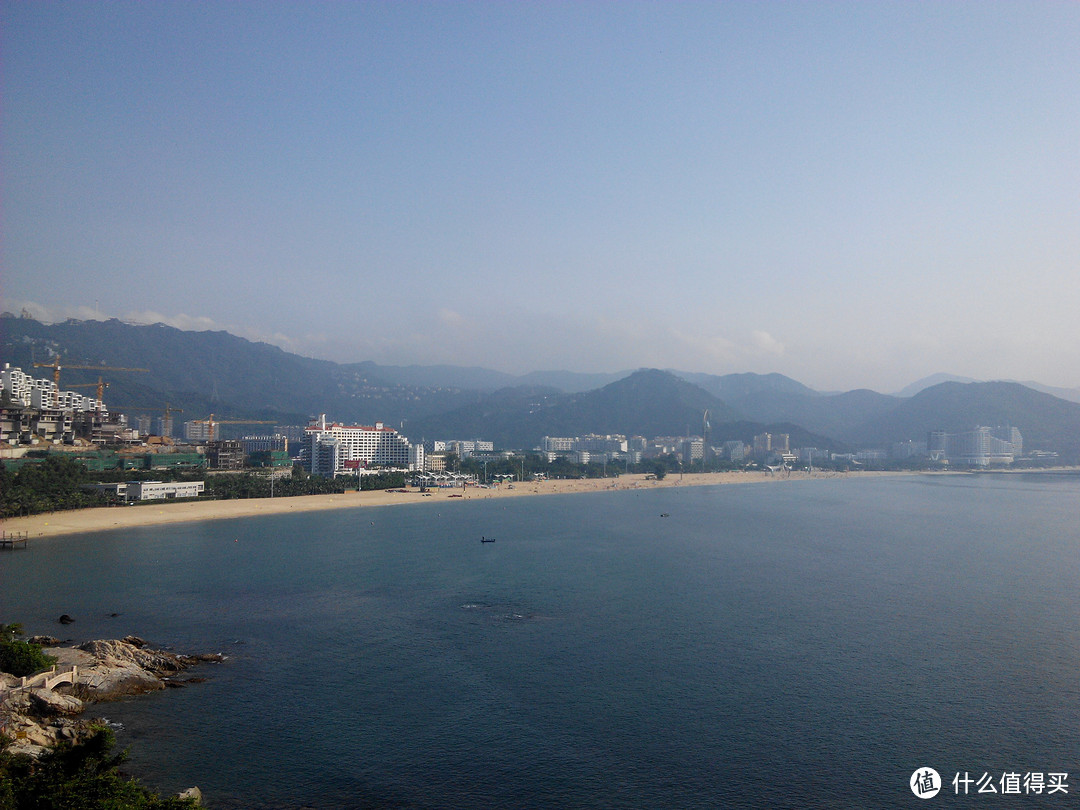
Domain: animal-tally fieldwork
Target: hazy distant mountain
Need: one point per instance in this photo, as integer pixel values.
(1046, 422)
(829, 414)
(730, 387)
(927, 382)
(204, 372)
(1070, 394)
(650, 403)
(215, 372)
(569, 381)
(647, 403)
(467, 377)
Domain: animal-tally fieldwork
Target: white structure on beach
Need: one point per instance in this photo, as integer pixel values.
(151, 490)
(335, 448)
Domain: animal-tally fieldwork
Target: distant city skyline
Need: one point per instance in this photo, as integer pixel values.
(850, 194)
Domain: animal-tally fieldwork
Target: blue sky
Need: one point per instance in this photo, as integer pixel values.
(853, 194)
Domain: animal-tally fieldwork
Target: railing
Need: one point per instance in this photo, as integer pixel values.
(50, 679)
(11, 539)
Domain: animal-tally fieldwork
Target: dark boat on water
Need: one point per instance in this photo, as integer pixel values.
(486, 539)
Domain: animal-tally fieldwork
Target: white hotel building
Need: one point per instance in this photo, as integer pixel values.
(339, 449)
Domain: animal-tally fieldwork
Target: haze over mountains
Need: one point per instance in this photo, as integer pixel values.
(215, 372)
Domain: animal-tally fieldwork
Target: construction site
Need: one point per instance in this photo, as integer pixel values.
(39, 417)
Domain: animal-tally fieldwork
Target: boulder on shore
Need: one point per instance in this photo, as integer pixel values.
(39, 718)
(124, 668)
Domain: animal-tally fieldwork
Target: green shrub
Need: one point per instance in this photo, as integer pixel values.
(21, 658)
(18, 657)
(77, 776)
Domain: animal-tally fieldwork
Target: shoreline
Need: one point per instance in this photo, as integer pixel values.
(161, 513)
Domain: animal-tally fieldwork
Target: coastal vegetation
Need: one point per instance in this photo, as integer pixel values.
(51, 485)
(77, 776)
(19, 657)
(56, 483)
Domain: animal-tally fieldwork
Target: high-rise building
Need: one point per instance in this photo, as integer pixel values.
(335, 448)
(979, 447)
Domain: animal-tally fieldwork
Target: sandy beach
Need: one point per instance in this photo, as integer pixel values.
(155, 513)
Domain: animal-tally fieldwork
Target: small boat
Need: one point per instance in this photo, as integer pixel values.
(664, 514)
(486, 539)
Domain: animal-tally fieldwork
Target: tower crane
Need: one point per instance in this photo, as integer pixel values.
(100, 385)
(56, 365)
(169, 410)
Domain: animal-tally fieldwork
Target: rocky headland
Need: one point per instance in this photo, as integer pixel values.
(35, 717)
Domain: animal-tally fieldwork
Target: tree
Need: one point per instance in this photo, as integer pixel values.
(77, 776)
(18, 657)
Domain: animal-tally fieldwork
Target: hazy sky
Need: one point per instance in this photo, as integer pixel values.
(853, 194)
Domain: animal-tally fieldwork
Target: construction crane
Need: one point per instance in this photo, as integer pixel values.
(212, 422)
(56, 365)
(101, 385)
(168, 409)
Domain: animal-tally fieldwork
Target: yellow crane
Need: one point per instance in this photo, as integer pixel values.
(101, 385)
(212, 422)
(56, 365)
(168, 410)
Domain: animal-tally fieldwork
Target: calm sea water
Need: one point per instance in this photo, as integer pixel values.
(800, 645)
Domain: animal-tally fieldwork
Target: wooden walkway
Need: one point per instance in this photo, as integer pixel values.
(14, 539)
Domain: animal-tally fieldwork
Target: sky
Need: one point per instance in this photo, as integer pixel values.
(853, 194)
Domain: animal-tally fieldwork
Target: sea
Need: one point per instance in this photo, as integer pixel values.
(820, 643)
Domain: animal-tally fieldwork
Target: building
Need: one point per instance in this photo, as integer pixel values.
(259, 444)
(335, 449)
(157, 490)
(435, 462)
(692, 450)
(734, 451)
(225, 455)
(557, 444)
(979, 447)
(33, 410)
(151, 490)
(197, 431)
(762, 444)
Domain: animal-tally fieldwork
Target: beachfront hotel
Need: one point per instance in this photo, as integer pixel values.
(339, 449)
(980, 447)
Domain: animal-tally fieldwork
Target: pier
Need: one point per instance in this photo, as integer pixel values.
(13, 539)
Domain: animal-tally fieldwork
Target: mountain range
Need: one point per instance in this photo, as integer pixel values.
(216, 373)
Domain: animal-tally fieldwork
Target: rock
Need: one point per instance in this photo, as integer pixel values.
(65, 619)
(123, 653)
(191, 793)
(121, 668)
(48, 702)
(135, 641)
(44, 641)
(26, 748)
(36, 735)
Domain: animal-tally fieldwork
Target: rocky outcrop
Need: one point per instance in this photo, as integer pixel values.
(106, 670)
(109, 669)
(37, 719)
